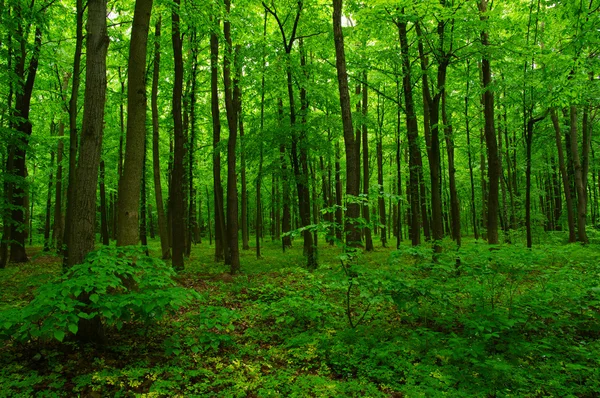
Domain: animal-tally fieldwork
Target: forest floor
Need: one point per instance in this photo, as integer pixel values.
(478, 322)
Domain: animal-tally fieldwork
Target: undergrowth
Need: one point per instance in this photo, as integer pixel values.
(481, 321)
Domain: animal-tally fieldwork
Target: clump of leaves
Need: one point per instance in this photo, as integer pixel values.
(116, 285)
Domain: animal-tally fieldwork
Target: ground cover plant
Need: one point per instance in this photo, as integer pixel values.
(481, 321)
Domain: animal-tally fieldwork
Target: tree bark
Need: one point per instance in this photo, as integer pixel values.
(365, 159)
(413, 132)
(73, 140)
(565, 177)
(490, 136)
(352, 178)
(579, 185)
(220, 237)
(158, 194)
(128, 232)
(176, 196)
(232, 107)
(23, 126)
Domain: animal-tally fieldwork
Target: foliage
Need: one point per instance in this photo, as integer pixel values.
(481, 321)
(116, 284)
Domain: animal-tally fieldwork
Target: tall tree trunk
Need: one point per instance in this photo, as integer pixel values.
(352, 178)
(176, 197)
(23, 126)
(413, 131)
(158, 194)
(128, 232)
(244, 218)
(565, 176)
(57, 231)
(232, 107)
(193, 227)
(73, 140)
(302, 174)
(220, 237)
(454, 200)
(365, 143)
(143, 207)
(379, 151)
(490, 136)
(471, 178)
(579, 185)
(529, 138)
(81, 237)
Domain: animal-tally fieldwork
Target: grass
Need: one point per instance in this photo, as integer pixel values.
(479, 322)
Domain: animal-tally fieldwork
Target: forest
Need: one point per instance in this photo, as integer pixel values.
(242, 198)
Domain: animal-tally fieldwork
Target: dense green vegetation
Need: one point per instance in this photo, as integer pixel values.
(299, 198)
(503, 321)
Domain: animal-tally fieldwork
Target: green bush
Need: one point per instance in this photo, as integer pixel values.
(115, 284)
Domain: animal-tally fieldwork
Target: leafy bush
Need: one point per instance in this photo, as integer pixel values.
(115, 284)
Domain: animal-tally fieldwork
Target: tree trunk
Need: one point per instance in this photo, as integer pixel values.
(232, 107)
(352, 178)
(244, 187)
(490, 136)
(81, 237)
(365, 143)
(413, 131)
(565, 177)
(23, 126)
(454, 200)
(581, 192)
(128, 232)
(158, 194)
(379, 150)
(220, 237)
(176, 197)
(73, 140)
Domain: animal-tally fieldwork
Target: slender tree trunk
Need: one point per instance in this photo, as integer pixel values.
(380, 189)
(579, 185)
(529, 138)
(565, 177)
(352, 178)
(232, 107)
(244, 218)
(73, 140)
(365, 143)
(454, 200)
(158, 194)
(220, 237)
(176, 196)
(57, 231)
(490, 136)
(23, 126)
(413, 132)
(471, 178)
(128, 232)
(259, 177)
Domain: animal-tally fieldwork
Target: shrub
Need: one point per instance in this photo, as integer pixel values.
(115, 285)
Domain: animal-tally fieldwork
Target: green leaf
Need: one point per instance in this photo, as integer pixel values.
(59, 335)
(73, 328)
(94, 298)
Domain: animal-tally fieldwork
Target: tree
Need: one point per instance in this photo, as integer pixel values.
(128, 232)
(352, 233)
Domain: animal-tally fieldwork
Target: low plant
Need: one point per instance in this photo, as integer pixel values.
(113, 285)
